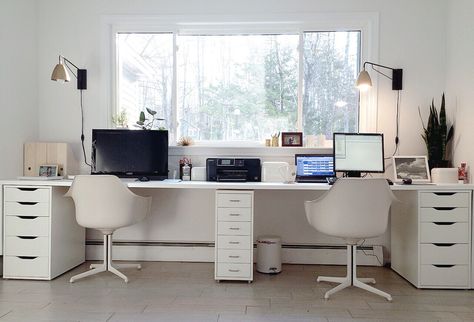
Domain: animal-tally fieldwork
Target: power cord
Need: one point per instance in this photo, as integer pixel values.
(367, 254)
(397, 127)
(82, 132)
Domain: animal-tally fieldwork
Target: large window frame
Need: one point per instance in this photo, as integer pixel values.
(366, 23)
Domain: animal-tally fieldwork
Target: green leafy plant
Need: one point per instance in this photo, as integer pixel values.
(148, 123)
(436, 135)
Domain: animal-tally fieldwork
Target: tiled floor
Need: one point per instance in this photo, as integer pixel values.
(164, 291)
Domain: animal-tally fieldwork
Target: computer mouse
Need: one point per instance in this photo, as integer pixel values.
(407, 181)
(143, 179)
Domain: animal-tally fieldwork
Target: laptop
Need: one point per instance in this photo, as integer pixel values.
(314, 167)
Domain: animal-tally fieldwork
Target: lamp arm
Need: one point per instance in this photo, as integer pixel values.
(378, 65)
(70, 62)
(378, 71)
(67, 65)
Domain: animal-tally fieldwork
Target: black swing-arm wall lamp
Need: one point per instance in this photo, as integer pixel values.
(364, 82)
(60, 73)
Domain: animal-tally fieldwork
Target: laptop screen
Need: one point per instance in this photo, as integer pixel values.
(314, 165)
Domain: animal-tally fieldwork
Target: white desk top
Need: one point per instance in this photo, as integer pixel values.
(132, 183)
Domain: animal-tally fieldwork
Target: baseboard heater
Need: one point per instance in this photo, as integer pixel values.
(204, 252)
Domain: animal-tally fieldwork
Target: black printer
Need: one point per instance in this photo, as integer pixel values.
(233, 170)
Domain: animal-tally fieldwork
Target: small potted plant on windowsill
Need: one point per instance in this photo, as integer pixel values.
(437, 136)
(145, 123)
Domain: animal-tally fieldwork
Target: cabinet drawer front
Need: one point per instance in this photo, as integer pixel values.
(25, 267)
(444, 254)
(21, 246)
(444, 214)
(233, 256)
(27, 194)
(234, 214)
(232, 200)
(233, 270)
(439, 233)
(234, 242)
(26, 226)
(454, 276)
(23, 208)
(444, 199)
(234, 228)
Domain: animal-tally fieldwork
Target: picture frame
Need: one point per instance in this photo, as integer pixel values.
(411, 167)
(292, 139)
(48, 170)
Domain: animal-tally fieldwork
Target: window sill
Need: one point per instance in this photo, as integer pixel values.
(245, 151)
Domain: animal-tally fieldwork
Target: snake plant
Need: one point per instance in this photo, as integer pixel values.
(436, 135)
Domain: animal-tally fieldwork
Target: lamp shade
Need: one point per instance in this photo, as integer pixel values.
(60, 73)
(363, 81)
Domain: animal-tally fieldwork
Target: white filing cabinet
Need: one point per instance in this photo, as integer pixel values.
(234, 235)
(431, 239)
(41, 237)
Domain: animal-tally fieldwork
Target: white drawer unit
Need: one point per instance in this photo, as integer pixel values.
(41, 237)
(234, 235)
(234, 228)
(432, 239)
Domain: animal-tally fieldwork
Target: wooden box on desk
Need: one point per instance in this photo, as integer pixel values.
(39, 153)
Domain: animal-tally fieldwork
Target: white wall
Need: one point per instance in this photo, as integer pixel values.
(412, 37)
(18, 82)
(460, 78)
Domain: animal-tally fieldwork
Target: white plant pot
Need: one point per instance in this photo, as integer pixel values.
(444, 175)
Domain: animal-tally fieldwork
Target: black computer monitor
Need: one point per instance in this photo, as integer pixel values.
(130, 153)
(355, 153)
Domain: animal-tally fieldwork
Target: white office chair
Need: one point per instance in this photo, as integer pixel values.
(353, 209)
(104, 203)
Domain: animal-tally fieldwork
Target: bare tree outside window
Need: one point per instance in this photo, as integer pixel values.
(145, 75)
(241, 87)
(330, 99)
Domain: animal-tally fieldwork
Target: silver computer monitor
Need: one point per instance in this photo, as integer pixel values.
(358, 152)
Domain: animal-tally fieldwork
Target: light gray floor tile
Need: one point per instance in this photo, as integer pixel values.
(172, 291)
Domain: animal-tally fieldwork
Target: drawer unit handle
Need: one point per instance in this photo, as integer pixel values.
(234, 228)
(443, 223)
(234, 270)
(444, 266)
(444, 208)
(27, 237)
(444, 244)
(27, 189)
(27, 203)
(234, 256)
(27, 257)
(234, 200)
(234, 215)
(234, 243)
(27, 217)
(444, 193)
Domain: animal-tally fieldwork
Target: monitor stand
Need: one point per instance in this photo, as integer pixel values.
(353, 174)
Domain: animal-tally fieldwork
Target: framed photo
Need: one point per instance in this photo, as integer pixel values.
(291, 138)
(48, 170)
(413, 167)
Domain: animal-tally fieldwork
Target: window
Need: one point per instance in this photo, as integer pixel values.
(240, 87)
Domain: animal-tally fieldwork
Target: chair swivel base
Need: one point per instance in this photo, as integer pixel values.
(106, 266)
(351, 278)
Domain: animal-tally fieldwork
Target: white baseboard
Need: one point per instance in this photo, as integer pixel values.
(323, 256)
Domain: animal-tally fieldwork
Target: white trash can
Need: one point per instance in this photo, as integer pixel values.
(269, 254)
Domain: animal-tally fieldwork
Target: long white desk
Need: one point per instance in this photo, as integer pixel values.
(426, 211)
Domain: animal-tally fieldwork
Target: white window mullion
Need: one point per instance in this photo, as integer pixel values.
(174, 92)
(299, 119)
